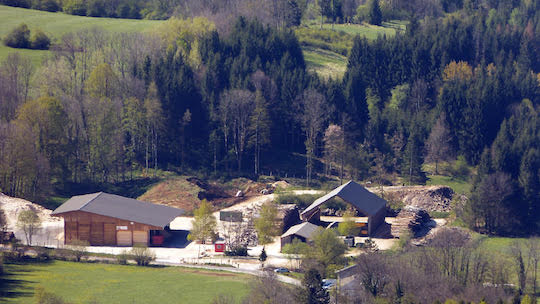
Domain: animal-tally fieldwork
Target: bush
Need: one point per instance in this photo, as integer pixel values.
(142, 255)
(16, 3)
(19, 37)
(46, 5)
(95, 8)
(79, 249)
(40, 41)
(237, 251)
(75, 7)
(122, 258)
(43, 297)
(460, 168)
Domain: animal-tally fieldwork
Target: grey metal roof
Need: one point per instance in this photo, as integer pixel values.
(354, 194)
(121, 207)
(305, 230)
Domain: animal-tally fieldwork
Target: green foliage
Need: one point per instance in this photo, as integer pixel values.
(79, 282)
(204, 223)
(142, 255)
(39, 40)
(78, 249)
(348, 226)
(29, 222)
(312, 292)
(302, 200)
(237, 251)
(335, 41)
(267, 225)
(44, 297)
(375, 14)
(295, 248)
(327, 248)
(74, 7)
(19, 37)
(122, 258)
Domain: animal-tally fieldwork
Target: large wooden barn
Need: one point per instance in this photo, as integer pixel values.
(103, 219)
(367, 203)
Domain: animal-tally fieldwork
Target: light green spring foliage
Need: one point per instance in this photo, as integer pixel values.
(348, 226)
(185, 34)
(267, 225)
(204, 223)
(295, 248)
(327, 248)
(103, 82)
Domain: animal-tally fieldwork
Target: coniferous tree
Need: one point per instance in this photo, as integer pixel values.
(375, 14)
(312, 292)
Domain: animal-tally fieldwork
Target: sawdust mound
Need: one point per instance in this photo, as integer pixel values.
(13, 206)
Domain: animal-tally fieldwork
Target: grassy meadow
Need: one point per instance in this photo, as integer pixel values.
(57, 24)
(107, 283)
(324, 49)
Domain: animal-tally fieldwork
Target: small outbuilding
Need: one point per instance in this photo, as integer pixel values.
(303, 232)
(371, 205)
(103, 219)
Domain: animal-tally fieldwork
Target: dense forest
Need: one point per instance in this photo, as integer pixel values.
(231, 96)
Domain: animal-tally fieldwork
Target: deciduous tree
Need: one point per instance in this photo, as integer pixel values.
(267, 225)
(30, 223)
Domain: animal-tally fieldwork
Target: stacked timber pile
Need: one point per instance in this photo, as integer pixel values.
(411, 219)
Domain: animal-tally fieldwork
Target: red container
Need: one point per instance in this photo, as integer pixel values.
(219, 247)
(158, 239)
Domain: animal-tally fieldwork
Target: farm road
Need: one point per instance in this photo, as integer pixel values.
(279, 277)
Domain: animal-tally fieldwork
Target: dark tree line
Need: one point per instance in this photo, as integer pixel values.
(240, 102)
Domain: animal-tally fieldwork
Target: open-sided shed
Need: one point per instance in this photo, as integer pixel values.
(113, 220)
(373, 206)
(303, 232)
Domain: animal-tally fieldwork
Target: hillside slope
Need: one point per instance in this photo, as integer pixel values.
(57, 24)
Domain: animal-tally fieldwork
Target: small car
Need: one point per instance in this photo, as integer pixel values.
(328, 283)
(281, 270)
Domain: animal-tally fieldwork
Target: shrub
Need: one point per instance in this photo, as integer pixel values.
(75, 7)
(19, 37)
(237, 251)
(142, 255)
(95, 8)
(43, 297)
(40, 41)
(122, 258)
(79, 249)
(16, 3)
(47, 5)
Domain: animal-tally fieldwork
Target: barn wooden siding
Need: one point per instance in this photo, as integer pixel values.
(99, 230)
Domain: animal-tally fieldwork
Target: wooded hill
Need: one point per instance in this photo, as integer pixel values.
(459, 85)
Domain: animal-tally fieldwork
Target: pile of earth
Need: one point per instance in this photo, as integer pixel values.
(429, 198)
(187, 192)
(12, 207)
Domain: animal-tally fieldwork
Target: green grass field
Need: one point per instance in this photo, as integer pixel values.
(57, 24)
(369, 31)
(458, 185)
(105, 283)
(326, 63)
(331, 64)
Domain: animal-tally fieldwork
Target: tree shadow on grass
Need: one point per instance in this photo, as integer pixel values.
(11, 288)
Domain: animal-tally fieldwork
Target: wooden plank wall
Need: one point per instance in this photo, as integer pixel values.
(99, 230)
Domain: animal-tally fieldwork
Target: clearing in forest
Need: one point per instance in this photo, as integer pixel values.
(57, 24)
